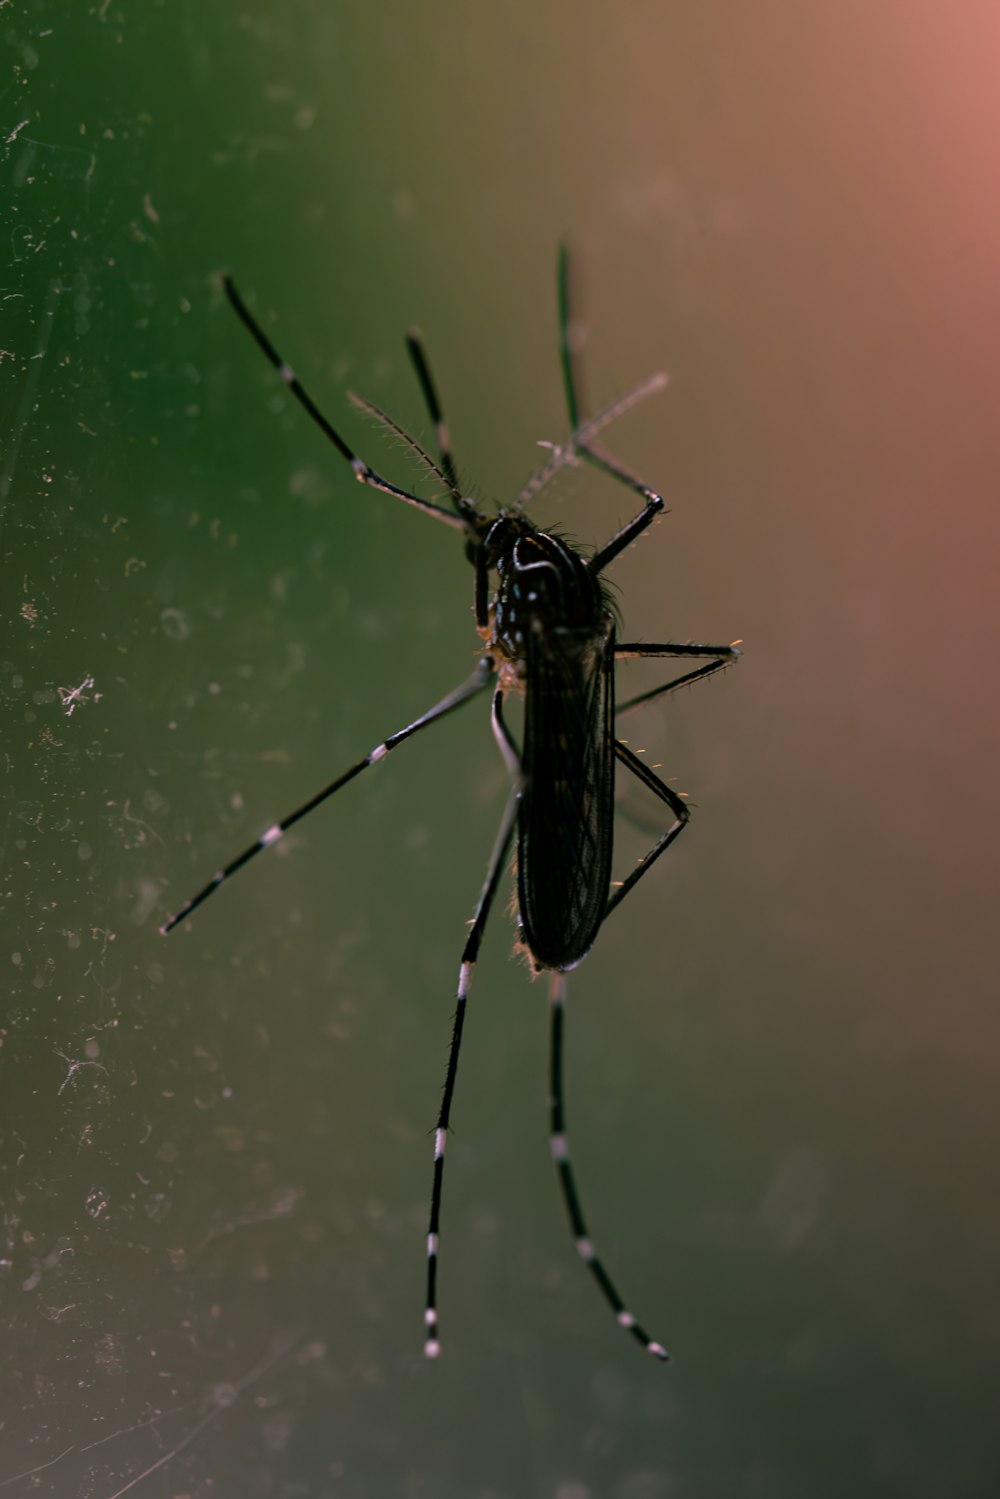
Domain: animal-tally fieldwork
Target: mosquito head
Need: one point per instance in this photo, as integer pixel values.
(544, 589)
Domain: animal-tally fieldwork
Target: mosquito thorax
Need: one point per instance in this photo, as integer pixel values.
(544, 589)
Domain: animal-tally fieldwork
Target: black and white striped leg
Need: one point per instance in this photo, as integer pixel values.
(559, 1146)
(470, 954)
(724, 655)
(362, 472)
(479, 680)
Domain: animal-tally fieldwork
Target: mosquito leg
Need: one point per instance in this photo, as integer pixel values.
(628, 533)
(583, 432)
(582, 435)
(569, 337)
(628, 650)
(579, 446)
(362, 472)
(559, 1146)
(563, 456)
(428, 386)
(603, 460)
(724, 656)
(470, 954)
(677, 805)
(480, 679)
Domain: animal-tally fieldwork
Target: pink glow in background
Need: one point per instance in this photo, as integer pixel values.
(785, 1048)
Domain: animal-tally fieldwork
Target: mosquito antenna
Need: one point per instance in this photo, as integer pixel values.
(362, 472)
(370, 409)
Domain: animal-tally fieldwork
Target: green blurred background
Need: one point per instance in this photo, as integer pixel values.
(784, 1048)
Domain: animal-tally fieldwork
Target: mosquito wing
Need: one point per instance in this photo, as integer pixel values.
(565, 824)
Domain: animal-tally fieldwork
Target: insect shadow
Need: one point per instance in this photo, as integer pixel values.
(550, 634)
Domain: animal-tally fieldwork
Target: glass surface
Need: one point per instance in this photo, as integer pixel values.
(783, 1051)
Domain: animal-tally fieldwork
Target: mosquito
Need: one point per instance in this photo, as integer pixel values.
(549, 632)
